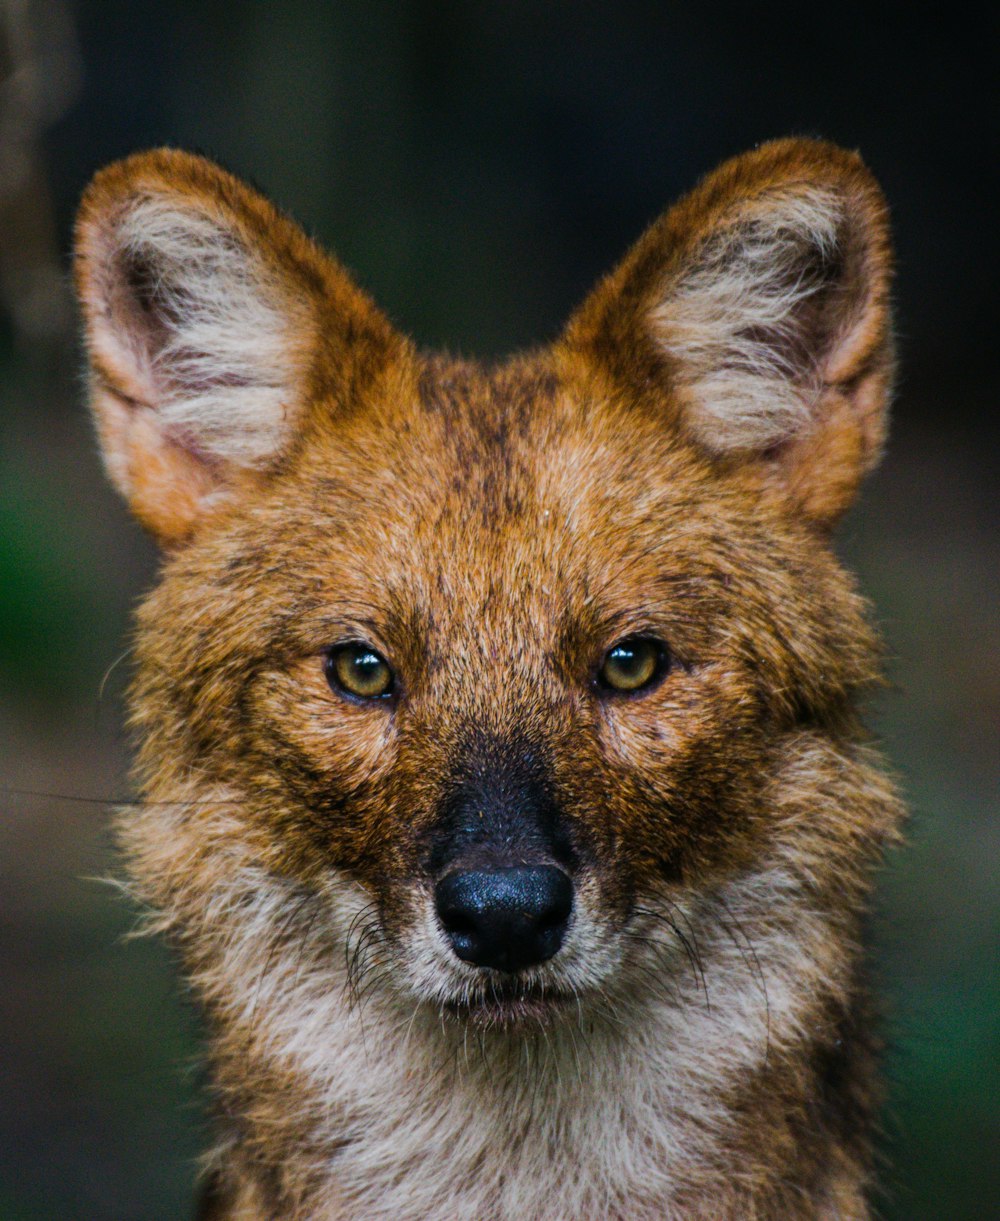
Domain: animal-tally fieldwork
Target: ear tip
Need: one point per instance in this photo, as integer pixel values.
(819, 162)
(158, 169)
(110, 189)
(153, 164)
(194, 182)
(792, 165)
(811, 153)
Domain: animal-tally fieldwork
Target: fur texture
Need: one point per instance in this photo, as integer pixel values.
(669, 470)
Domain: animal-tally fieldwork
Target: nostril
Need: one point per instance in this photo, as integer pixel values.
(553, 919)
(558, 900)
(505, 918)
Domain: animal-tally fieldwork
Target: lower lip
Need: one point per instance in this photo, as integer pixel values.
(533, 1009)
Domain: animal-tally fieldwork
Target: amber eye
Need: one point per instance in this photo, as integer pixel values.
(633, 664)
(357, 670)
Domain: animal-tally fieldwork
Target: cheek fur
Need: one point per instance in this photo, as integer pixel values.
(686, 765)
(355, 738)
(323, 764)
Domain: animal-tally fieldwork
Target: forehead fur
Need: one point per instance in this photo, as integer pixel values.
(496, 508)
(475, 483)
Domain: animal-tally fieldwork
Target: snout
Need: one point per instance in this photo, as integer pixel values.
(507, 918)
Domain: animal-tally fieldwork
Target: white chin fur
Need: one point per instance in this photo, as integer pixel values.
(624, 1087)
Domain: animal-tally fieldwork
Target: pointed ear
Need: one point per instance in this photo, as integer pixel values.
(212, 323)
(756, 314)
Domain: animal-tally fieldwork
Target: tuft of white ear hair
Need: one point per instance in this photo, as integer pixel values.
(196, 326)
(215, 330)
(740, 321)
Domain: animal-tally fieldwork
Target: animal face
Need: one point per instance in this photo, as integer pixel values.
(502, 664)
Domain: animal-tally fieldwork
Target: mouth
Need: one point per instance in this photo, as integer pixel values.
(508, 1006)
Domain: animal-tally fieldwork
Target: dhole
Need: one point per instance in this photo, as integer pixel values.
(504, 787)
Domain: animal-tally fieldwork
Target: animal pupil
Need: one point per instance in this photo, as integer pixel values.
(357, 670)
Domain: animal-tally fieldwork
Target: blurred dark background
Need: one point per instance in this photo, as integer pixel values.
(477, 166)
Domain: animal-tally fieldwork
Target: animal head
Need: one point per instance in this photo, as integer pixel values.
(500, 652)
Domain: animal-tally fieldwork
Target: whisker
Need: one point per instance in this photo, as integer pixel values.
(694, 949)
(693, 957)
(108, 672)
(127, 802)
(276, 943)
(756, 964)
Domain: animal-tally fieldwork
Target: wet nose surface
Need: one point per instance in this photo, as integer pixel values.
(507, 918)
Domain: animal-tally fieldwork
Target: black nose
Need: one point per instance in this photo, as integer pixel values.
(505, 918)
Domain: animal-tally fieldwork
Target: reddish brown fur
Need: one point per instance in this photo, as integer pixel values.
(492, 532)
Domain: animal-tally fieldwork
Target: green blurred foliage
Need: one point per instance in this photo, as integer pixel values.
(49, 614)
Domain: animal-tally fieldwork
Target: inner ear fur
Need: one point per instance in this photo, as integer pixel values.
(212, 323)
(755, 315)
